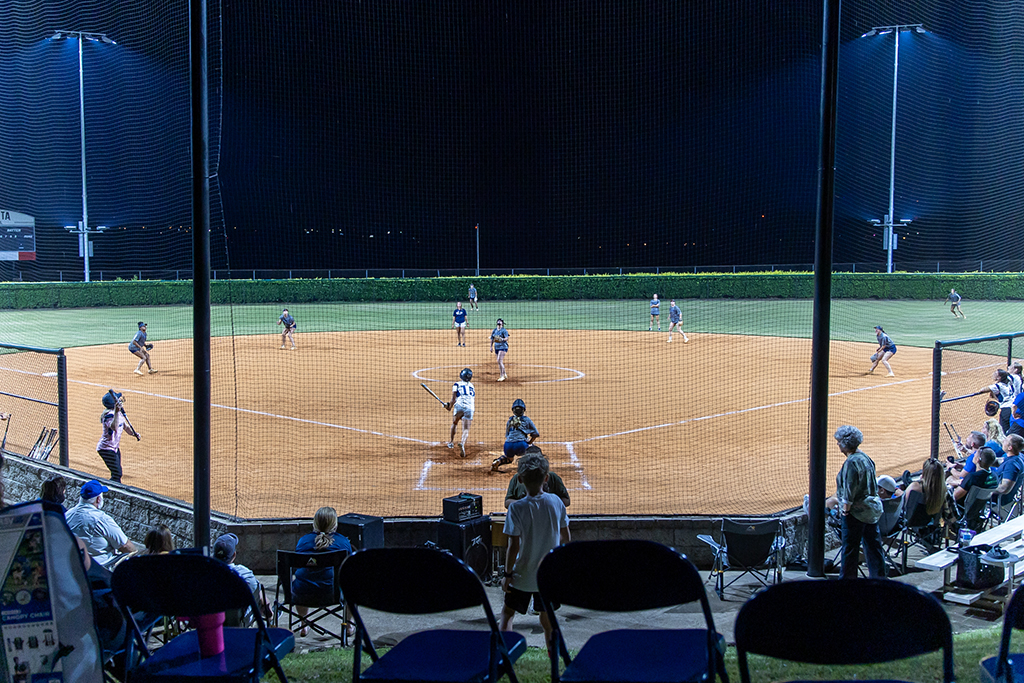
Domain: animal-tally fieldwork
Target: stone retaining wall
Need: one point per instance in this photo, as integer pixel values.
(136, 510)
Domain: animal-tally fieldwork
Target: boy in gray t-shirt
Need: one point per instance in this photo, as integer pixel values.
(535, 525)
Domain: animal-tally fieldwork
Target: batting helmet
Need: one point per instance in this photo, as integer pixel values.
(110, 399)
(466, 374)
(518, 406)
(991, 408)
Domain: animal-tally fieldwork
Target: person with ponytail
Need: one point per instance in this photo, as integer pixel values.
(313, 585)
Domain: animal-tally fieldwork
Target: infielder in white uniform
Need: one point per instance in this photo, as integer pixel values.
(462, 404)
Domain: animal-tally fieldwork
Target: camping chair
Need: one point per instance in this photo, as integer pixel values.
(320, 607)
(889, 528)
(1004, 508)
(917, 528)
(425, 581)
(626, 576)
(972, 511)
(858, 621)
(1001, 669)
(756, 548)
(190, 585)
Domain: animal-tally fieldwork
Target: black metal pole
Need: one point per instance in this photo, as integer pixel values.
(936, 397)
(201, 393)
(818, 432)
(62, 407)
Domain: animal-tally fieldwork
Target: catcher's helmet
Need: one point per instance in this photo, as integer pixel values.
(110, 399)
(518, 406)
(466, 374)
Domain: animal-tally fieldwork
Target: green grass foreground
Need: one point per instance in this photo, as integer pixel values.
(968, 649)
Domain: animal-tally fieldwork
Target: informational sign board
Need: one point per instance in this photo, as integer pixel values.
(17, 236)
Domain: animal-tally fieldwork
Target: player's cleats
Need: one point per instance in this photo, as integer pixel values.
(152, 371)
(686, 340)
(648, 329)
(891, 374)
(282, 346)
(502, 378)
(669, 339)
(137, 371)
(498, 462)
(450, 445)
(293, 348)
(462, 451)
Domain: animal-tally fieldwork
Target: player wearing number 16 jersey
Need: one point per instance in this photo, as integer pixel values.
(462, 405)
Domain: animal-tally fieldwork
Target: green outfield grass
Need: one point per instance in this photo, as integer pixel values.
(910, 323)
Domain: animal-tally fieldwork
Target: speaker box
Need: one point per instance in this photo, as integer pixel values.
(362, 531)
(470, 541)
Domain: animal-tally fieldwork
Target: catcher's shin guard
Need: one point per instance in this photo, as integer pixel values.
(499, 461)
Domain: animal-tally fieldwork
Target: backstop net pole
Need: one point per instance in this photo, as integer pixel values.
(62, 407)
(936, 397)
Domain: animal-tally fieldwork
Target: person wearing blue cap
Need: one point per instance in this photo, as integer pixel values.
(102, 535)
(114, 423)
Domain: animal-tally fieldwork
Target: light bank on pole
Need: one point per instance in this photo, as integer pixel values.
(17, 236)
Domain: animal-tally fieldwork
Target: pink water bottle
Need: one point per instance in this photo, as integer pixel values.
(210, 628)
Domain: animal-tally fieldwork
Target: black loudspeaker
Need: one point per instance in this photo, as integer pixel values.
(469, 541)
(362, 531)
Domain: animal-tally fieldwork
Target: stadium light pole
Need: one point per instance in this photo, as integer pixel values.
(82, 229)
(888, 236)
(477, 231)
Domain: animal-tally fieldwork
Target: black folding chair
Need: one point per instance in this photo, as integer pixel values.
(917, 528)
(191, 585)
(972, 511)
(1004, 508)
(329, 604)
(1006, 667)
(627, 576)
(889, 529)
(425, 581)
(856, 621)
(755, 548)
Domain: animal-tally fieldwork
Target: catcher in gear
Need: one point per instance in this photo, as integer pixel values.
(499, 344)
(288, 334)
(520, 433)
(140, 348)
(463, 402)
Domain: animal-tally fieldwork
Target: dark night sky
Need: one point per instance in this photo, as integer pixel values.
(577, 134)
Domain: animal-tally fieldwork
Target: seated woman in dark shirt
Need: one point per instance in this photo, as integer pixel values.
(314, 584)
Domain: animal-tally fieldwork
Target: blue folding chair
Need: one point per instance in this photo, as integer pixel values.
(425, 581)
(191, 585)
(1007, 667)
(849, 621)
(627, 576)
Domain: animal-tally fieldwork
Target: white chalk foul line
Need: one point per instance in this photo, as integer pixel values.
(575, 461)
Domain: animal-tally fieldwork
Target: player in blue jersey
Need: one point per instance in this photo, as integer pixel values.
(675, 317)
(655, 314)
(499, 344)
(886, 350)
(140, 348)
(288, 334)
(473, 298)
(954, 304)
(459, 324)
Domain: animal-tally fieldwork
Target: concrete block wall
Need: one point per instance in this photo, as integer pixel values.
(136, 510)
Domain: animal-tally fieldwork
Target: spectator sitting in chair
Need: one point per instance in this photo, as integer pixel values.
(158, 541)
(102, 535)
(1010, 470)
(981, 477)
(969, 449)
(887, 488)
(224, 549)
(931, 485)
(310, 585)
(994, 436)
(53, 491)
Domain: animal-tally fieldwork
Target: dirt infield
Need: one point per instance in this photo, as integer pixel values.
(634, 425)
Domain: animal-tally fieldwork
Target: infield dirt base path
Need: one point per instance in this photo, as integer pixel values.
(633, 424)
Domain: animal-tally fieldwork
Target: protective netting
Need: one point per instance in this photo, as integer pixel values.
(29, 418)
(419, 139)
(969, 369)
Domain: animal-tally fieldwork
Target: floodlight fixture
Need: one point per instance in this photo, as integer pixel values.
(870, 33)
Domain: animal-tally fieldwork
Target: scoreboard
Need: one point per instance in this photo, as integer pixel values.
(17, 236)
